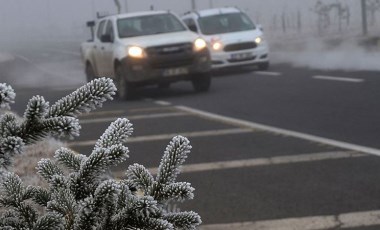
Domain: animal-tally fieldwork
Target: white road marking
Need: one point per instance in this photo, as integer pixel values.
(267, 73)
(344, 79)
(259, 162)
(304, 136)
(164, 103)
(170, 136)
(341, 221)
(152, 109)
(136, 117)
(77, 54)
(103, 113)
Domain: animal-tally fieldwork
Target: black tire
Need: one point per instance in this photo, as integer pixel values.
(164, 85)
(125, 89)
(263, 66)
(202, 83)
(90, 74)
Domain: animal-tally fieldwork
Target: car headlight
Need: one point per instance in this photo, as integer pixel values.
(258, 40)
(199, 44)
(136, 52)
(217, 46)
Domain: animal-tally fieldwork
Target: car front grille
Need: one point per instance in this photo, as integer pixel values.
(169, 49)
(240, 46)
(169, 56)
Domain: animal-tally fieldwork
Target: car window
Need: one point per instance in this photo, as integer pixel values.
(109, 30)
(148, 25)
(191, 24)
(225, 23)
(100, 30)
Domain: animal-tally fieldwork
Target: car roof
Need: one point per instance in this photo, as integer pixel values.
(136, 14)
(215, 11)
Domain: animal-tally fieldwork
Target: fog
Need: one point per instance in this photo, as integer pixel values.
(293, 28)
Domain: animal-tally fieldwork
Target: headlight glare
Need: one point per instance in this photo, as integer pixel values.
(136, 52)
(258, 40)
(217, 46)
(199, 44)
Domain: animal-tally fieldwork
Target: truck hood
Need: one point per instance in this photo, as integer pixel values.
(160, 39)
(236, 37)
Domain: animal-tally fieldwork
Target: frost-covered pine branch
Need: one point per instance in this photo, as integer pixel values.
(78, 195)
(82, 198)
(7, 96)
(40, 120)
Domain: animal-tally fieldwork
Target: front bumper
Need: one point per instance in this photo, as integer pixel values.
(167, 68)
(223, 59)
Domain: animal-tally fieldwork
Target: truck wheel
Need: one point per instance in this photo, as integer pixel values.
(90, 74)
(263, 66)
(202, 82)
(164, 85)
(125, 89)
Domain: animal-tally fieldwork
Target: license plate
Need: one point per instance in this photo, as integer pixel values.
(175, 71)
(241, 56)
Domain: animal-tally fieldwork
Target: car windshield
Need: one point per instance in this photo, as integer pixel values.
(225, 23)
(148, 25)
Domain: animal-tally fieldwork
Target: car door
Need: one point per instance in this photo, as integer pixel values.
(97, 52)
(107, 49)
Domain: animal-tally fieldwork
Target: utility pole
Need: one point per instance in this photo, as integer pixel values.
(93, 8)
(126, 6)
(193, 5)
(211, 4)
(364, 17)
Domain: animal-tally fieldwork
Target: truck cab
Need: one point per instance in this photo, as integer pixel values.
(144, 48)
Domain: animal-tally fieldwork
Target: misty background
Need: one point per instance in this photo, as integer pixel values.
(300, 32)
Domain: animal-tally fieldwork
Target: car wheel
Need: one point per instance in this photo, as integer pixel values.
(125, 89)
(90, 74)
(263, 66)
(164, 85)
(202, 83)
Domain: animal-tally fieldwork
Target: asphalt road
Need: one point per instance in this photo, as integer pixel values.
(284, 148)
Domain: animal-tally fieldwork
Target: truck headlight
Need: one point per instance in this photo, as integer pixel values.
(258, 40)
(199, 44)
(136, 52)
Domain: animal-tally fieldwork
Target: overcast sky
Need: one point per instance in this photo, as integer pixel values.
(48, 17)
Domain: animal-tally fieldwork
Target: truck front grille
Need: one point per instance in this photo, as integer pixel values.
(168, 56)
(169, 49)
(240, 46)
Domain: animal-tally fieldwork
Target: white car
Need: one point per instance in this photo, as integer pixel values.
(144, 48)
(233, 39)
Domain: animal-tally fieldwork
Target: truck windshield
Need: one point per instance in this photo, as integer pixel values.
(148, 25)
(225, 23)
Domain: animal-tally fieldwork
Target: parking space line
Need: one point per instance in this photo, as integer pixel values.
(267, 73)
(259, 162)
(151, 109)
(304, 136)
(344, 79)
(135, 117)
(169, 136)
(164, 103)
(106, 113)
(77, 54)
(341, 221)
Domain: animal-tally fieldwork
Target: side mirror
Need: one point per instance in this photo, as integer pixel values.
(106, 38)
(193, 28)
(260, 27)
(90, 23)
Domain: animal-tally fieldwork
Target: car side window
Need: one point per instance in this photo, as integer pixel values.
(191, 24)
(109, 30)
(100, 30)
